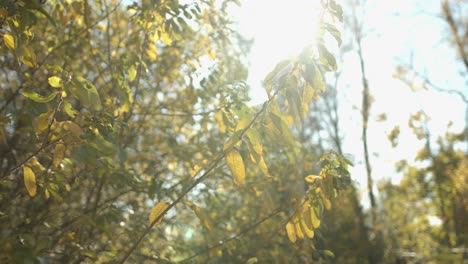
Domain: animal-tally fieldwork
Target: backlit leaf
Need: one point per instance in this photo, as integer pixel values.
(68, 108)
(290, 230)
(30, 181)
(132, 72)
(314, 218)
(157, 211)
(9, 41)
(236, 166)
(308, 231)
(55, 81)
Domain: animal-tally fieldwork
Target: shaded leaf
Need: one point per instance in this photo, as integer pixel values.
(39, 98)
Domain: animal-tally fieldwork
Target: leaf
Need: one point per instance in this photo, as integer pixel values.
(232, 141)
(255, 140)
(9, 41)
(157, 211)
(42, 121)
(30, 181)
(290, 230)
(236, 166)
(329, 253)
(72, 127)
(311, 178)
(87, 94)
(152, 53)
(334, 32)
(59, 154)
(251, 260)
(314, 217)
(55, 81)
(308, 231)
(204, 217)
(132, 72)
(39, 98)
(297, 226)
(68, 108)
(281, 69)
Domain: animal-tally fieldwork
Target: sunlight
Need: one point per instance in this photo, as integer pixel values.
(280, 29)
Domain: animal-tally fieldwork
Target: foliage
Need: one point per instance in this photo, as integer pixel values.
(110, 108)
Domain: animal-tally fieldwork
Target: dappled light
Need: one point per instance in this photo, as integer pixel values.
(229, 131)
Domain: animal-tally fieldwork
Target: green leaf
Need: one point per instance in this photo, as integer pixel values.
(251, 260)
(334, 32)
(9, 41)
(281, 69)
(55, 81)
(30, 181)
(232, 141)
(329, 253)
(157, 211)
(236, 166)
(327, 57)
(87, 94)
(39, 98)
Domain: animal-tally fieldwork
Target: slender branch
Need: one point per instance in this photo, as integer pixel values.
(241, 233)
(33, 155)
(209, 169)
(453, 27)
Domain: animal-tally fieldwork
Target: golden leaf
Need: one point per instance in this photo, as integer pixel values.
(236, 166)
(30, 181)
(9, 41)
(291, 232)
(59, 154)
(157, 210)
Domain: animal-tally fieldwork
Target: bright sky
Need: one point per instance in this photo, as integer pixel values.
(281, 28)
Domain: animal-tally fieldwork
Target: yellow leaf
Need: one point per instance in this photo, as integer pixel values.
(236, 166)
(59, 154)
(219, 119)
(291, 232)
(166, 38)
(314, 218)
(311, 178)
(9, 41)
(55, 81)
(297, 226)
(132, 72)
(152, 52)
(157, 211)
(30, 181)
(308, 231)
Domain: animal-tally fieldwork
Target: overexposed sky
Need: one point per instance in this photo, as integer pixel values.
(394, 30)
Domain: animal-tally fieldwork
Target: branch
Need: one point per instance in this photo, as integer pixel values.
(32, 155)
(241, 233)
(208, 170)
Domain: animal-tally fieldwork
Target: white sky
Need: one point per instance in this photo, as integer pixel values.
(281, 28)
